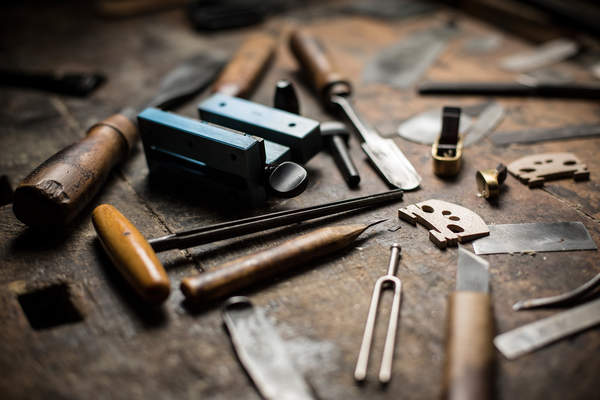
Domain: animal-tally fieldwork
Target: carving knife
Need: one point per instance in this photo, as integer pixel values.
(469, 332)
(262, 352)
(335, 91)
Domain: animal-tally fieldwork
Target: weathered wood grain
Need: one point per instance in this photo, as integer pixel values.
(121, 350)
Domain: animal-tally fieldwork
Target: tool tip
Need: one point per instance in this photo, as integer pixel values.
(376, 222)
(519, 305)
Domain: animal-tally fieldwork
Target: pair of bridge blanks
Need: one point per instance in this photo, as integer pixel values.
(448, 223)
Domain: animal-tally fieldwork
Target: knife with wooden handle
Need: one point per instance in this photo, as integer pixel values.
(469, 333)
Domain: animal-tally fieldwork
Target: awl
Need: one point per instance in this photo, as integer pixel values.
(469, 332)
(335, 90)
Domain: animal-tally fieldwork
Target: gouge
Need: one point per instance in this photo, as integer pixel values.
(469, 333)
(136, 259)
(56, 191)
(335, 91)
(246, 271)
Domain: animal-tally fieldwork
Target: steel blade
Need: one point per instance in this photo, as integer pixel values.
(533, 336)
(542, 135)
(539, 236)
(472, 274)
(391, 163)
(262, 352)
(489, 118)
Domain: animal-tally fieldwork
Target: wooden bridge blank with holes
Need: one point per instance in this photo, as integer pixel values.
(536, 169)
(449, 223)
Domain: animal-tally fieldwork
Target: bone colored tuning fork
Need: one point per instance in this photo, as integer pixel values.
(385, 371)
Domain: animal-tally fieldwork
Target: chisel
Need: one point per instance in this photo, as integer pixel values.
(57, 190)
(469, 333)
(335, 90)
(243, 272)
(135, 257)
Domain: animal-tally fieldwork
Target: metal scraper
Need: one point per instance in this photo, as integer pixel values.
(538, 236)
(469, 332)
(262, 352)
(538, 334)
(403, 63)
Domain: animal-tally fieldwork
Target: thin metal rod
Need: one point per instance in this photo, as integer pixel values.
(226, 230)
(561, 298)
(385, 371)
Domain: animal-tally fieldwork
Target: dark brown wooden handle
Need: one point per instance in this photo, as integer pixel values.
(318, 66)
(56, 191)
(245, 271)
(469, 349)
(246, 66)
(131, 254)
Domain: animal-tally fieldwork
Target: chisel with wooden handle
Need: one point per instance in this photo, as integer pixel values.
(469, 333)
(335, 91)
(135, 257)
(56, 191)
(245, 271)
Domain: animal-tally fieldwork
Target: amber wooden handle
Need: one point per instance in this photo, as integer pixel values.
(245, 271)
(131, 254)
(56, 191)
(317, 65)
(469, 349)
(246, 66)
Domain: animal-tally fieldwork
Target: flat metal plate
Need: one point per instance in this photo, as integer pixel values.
(403, 63)
(539, 236)
(425, 127)
(262, 352)
(472, 274)
(533, 336)
(542, 135)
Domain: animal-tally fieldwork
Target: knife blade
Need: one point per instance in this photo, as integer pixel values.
(469, 332)
(262, 352)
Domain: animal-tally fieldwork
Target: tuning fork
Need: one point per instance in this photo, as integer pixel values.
(385, 371)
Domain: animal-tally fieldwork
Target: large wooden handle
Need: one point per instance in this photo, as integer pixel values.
(246, 66)
(245, 271)
(318, 66)
(131, 254)
(469, 349)
(56, 191)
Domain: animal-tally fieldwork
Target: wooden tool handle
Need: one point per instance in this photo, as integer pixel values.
(55, 192)
(131, 254)
(245, 271)
(469, 349)
(318, 66)
(247, 65)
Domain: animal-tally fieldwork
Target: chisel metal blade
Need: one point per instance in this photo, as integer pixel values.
(262, 352)
(472, 274)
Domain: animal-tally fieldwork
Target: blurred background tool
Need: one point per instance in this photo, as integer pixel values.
(538, 334)
(136, 259)
(245, 271)
(68, 83)
(385, 371)
(570, 296)
(526, 88)
(334, 91)
(262, 352)
(469, 333)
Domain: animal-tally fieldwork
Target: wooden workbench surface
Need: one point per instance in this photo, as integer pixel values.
(123, 350)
